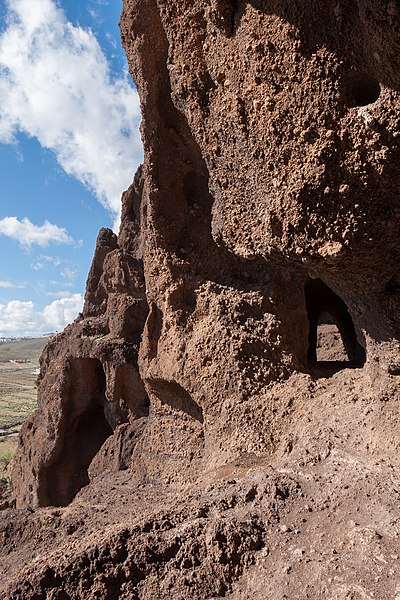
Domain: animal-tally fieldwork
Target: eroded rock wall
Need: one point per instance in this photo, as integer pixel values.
(271, 135)
(271, 151)
(294, 108)
(197, 446)
(90, 394)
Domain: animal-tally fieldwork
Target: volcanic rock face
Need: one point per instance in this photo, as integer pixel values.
(90, 389)
(268, 197)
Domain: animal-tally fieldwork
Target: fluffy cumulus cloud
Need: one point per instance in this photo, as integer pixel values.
(21, 318)
(56, 86)
(27, 234)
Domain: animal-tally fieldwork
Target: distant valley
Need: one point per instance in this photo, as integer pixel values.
(19, 364)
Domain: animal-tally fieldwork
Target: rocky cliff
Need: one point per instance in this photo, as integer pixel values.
(189, 441)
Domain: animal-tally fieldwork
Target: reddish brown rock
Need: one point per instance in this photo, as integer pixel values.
(192, 443)
(89, 384)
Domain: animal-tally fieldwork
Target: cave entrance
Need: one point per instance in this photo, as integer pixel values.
(84, 430)
(332, 338)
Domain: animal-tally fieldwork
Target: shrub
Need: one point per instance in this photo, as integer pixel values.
(5, 480)
(5, 458)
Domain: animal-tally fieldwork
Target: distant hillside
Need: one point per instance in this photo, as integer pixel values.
(23, 349)
(17, 385)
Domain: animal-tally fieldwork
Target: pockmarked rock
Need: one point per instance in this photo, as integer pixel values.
(199, 434)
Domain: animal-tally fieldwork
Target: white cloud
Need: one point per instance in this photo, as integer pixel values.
(43, 261)
(6, 285)
(112, 41)
(61, 294)
(56, 86)
(61, 283)
(69, 274)
(21, 318)
(95, 15)
(27, 234)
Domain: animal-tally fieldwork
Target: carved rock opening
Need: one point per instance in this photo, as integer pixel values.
(85, 430)
(324, 306)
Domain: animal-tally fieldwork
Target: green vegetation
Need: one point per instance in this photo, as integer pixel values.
(5, 477)
(5, 458)
(5, 483)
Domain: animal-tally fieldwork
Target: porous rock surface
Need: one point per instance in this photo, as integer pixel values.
(185, 444)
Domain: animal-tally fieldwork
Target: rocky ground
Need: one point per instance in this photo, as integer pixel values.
(317, 518)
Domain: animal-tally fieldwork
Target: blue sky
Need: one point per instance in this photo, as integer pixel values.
(69, 146)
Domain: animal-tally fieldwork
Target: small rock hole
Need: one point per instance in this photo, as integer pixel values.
(363, 90)
(393, 285)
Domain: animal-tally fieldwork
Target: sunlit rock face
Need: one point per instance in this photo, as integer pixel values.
(271, 135)
(196, 444)
(293, 112)
(294, 108)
